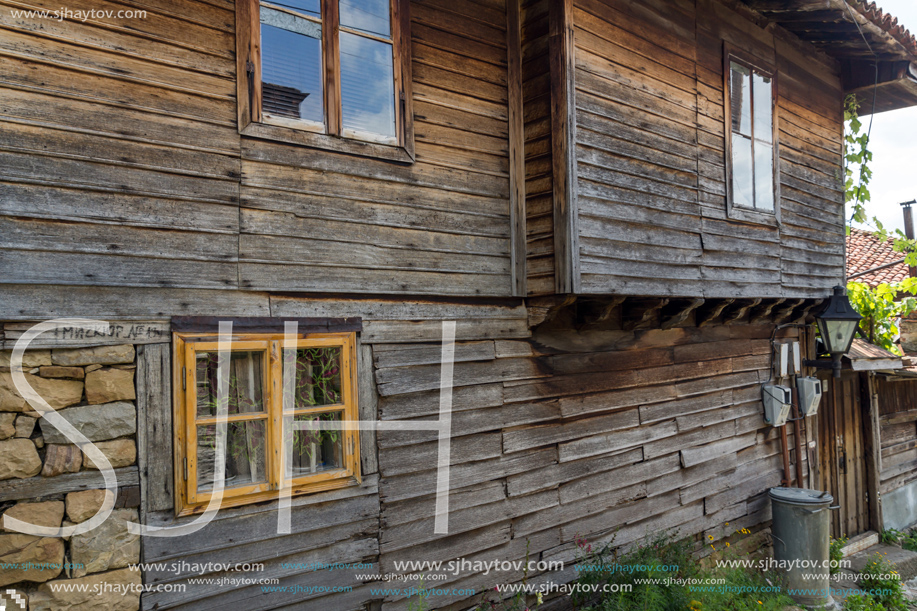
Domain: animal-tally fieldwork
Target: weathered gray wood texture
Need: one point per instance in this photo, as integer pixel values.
(665, 432)
(114, 138)
(539, 186)
(662, 430)
(897, 432)
(121, 165)
(154, 426)
(650, 195)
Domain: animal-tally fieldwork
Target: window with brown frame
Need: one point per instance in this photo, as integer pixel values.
(751, 136)
(332, 74)
(315, 377)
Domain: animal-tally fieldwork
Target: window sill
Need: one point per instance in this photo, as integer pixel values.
(266, 131)
(750, 215)
(346, 480)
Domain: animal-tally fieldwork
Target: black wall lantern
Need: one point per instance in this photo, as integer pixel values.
(837, 324)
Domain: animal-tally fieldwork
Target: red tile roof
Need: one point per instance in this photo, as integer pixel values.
(887, 23)
(865, 252)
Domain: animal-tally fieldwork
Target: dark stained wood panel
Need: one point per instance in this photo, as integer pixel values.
(317, 221)
(539, 185)
(636, 151)
(651, 148)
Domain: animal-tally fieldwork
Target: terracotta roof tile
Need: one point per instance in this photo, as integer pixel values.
(887, 23)
(865, 251)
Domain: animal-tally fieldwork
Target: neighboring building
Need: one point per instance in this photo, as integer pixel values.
(622, 205)
(873, 261)
(883, 394)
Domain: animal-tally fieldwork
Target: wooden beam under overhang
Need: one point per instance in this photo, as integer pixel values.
(839, 29)
(897, 85)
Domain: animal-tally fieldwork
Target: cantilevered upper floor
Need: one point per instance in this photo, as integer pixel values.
(466, 148)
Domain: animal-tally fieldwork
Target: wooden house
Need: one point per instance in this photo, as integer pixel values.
(620, 205)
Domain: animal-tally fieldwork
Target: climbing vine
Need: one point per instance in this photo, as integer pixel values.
(881, 307)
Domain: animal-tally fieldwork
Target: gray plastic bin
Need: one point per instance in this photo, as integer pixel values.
(801, 526)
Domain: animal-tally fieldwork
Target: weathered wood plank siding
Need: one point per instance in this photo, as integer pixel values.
(539, 186)
(113, 137)
(399, 361)
(658, 429)
(122, 164)
(667, 432)
(311, 220)
(897, 432)
(651, 148)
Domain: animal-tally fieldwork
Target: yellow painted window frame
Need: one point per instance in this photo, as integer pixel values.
(184, 409)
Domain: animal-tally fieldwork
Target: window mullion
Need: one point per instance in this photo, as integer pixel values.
(751, 120)
(332, 66)
(275, 417)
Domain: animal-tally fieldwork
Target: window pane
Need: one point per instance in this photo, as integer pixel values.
(309, 7)
(317, 379)
(291, 67)
(246, 383)
(367, 86)
(764, 176)
(740, 98)
(316, 450)
(764, 126)
(742, 179)
(245, 454)
(367, 15)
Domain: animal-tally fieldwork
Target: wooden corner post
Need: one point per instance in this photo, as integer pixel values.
(516, 147)
(563, 147)
(869, 404)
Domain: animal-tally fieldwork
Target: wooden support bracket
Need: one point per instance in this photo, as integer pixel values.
(545, 309)
(682, 314)
(738, 312)
(712, 312)
(785, 312)
(601, 311)
(642, 316)
(763, 314)
(804, 312)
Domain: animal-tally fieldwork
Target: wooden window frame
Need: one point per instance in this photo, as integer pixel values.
(252, 121)
(188, 500)
(732, 54)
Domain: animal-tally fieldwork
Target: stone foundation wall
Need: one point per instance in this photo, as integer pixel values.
(93, 389)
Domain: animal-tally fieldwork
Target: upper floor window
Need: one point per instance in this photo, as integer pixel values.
(326, 73)
(751, 136)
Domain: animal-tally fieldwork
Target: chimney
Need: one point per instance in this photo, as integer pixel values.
(909, 228)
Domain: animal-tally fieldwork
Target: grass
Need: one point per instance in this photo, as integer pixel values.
(890, 536)
(836, 553)
(737, 589)
(909, 541)
(881, 582)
